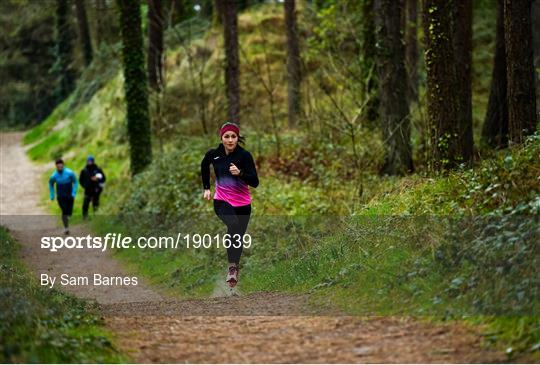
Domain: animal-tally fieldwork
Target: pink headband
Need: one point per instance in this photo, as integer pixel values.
(227, 128)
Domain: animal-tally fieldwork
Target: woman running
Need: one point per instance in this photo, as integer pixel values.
(235, 170)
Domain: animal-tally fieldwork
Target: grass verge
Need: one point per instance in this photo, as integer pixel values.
(43, 325)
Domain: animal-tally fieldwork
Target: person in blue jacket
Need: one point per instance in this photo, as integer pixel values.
(66, 189)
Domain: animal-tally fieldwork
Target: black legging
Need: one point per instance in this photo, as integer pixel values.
(236, 219)
(94, 198)
(66, 204)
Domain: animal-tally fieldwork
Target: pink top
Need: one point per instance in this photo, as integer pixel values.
(232, 190)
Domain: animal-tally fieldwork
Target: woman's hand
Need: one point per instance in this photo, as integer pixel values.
(207, 194)
(234, 170)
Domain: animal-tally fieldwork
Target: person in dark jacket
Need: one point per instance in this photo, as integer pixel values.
(235, 170)
(92, 179)
(66, 189)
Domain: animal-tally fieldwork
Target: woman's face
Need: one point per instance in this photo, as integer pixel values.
(230, 140)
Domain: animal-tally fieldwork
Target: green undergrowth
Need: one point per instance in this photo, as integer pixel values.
(498, 183)
(39, 325)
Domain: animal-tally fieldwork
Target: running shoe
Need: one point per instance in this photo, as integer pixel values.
(66, 231)
(232, 276)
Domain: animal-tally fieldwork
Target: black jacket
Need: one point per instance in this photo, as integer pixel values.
(91, 187)
(221, 161)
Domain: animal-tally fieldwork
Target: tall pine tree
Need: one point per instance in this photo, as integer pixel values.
(84, 32)
(293, 63)
(521, 95)
(392, 77)
(368, 60)
(135, 85)
(442, 101)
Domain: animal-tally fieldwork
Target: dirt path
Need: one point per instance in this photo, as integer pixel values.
(152, 328)
(21, 188)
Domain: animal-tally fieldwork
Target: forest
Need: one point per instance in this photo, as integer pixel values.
(396, 143)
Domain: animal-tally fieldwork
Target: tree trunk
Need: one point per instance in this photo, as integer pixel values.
(217, 17)
(535, 14)
(63, 52)
(135, 85)
(442, 102)
(293, 63)
(155, 44)
(411, 48)
(207, 8)
(84, 32)
(232, 68)
(101, 29)
(495, 128)
(519, 69)
(393, 111)
(463, 57)
(369, 51)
